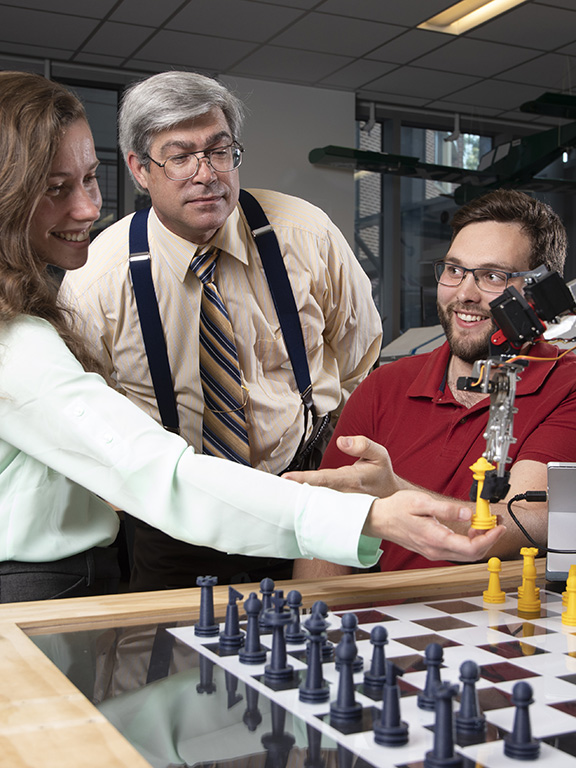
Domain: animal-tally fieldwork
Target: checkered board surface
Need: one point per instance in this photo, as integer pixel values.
(507, 646)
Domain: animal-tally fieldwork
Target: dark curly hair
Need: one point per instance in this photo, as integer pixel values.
(538, 221)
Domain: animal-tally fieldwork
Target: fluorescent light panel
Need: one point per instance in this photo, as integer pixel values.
(466, 15)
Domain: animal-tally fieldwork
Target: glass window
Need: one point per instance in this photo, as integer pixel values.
(402, 223)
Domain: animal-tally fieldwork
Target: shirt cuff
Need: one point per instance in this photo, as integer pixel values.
(337, 536)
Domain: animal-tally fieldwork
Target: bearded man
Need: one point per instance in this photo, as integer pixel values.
(409, 426)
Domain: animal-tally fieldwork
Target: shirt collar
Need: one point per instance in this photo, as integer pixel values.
(233, 238)
(432, 375)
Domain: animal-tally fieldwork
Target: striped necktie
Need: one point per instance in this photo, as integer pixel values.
(224, 427)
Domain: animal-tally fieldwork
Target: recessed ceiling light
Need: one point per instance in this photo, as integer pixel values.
(466, 15)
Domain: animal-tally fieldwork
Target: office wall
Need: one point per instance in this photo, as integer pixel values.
(283, 123)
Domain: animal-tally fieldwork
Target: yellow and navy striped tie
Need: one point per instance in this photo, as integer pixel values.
(224, 428)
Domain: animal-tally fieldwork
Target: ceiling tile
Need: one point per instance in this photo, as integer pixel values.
(368, 46)
(465, 110)
(407, 14)
(69, 7)
(336, 34)
(147, 13)
(409, 46)
(99, 58)
(535, 26)
(178, 48)
(357, 74)
(238, 19)
(548, 71)
(496, 94)
(558, 3)
(422, 82)
(475, 57)
(30, 28)
(303, 4)
(570, 49)
(288, 64)
(375, 94)
(117, 37)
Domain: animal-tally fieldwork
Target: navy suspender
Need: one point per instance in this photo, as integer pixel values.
(151, 324)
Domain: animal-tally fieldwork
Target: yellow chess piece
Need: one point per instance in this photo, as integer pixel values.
(569, 615)
(528, 593)
(482, 519)
(494, 593)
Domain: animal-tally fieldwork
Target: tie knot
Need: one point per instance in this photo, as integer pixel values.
(204, 264)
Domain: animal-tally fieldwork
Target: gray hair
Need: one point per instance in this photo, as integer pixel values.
(168, 99)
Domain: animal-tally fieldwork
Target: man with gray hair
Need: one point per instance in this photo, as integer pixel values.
(230, 375)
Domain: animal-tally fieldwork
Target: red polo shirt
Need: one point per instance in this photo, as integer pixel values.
(433, 440)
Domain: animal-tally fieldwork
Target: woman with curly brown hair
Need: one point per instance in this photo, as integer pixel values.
(68, 441)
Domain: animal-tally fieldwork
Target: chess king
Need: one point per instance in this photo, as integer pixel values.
(408, 425)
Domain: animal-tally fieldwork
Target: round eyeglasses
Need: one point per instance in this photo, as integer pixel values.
(186, 164)
(487, 280)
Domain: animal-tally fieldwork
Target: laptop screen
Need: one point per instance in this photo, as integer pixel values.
(561, 519)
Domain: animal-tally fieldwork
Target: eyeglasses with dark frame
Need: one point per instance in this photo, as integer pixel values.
(487, 280)
(186, 164)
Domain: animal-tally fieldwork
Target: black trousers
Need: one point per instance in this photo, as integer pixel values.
(161, 562)
(95, 572)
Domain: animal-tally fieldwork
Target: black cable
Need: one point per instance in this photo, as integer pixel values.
(534, 496)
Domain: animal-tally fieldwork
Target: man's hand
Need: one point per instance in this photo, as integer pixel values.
(371, 474)
(419, 522)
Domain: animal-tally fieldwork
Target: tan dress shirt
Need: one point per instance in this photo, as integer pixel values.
(341, 327)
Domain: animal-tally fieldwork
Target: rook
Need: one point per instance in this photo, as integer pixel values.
(206, 627)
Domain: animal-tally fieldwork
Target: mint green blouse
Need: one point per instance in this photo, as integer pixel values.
(66, 439)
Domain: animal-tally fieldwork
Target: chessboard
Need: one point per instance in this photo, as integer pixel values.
(508, 646)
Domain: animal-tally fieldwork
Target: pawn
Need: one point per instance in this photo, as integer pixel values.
(252, 652)
(232, 638)
(391, 731)
(519, 744)
(327, 647)
(375, 677)
(294, 634)
(470, 719)
(349, 625)
(494, 593)
(434, 657)
(267, 590)
(345, 708)
(206, 626)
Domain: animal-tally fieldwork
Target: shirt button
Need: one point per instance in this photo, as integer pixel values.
(78, 411)
(463, 420)
(108, 439)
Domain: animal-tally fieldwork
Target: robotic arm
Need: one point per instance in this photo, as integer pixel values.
(520, 320)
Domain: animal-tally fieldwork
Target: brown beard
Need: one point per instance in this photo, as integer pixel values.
(467, 350)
